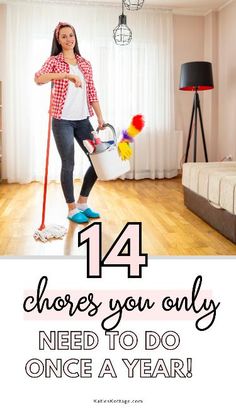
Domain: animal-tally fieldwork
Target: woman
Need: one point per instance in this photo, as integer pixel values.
(74, 100)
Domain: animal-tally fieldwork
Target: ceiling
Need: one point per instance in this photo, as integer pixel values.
(197, 6)
(179, 6)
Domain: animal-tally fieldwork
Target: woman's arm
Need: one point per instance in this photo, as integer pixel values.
(47, 77)
(93, 99)
(47, 74)
(98, 112)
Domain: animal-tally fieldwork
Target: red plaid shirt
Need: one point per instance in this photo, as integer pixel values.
(56, 64)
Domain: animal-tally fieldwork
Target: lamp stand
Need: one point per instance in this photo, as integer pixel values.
(195, 111)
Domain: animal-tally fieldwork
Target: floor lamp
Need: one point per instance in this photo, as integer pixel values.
(196, 76)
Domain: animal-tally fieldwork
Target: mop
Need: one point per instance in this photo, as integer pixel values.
(52, 231)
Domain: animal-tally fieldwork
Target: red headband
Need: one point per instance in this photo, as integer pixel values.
(60, 24)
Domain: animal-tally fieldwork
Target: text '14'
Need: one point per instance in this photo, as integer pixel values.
(125, 251)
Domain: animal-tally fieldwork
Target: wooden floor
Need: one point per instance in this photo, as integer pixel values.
(168, 227)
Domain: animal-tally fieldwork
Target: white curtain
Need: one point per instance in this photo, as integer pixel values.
(130, 79)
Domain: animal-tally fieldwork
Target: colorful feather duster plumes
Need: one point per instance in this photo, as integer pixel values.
(136, 126)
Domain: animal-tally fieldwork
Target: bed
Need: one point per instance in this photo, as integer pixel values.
(210, 192)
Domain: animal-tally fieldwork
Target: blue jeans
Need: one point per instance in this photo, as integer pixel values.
(64, 133)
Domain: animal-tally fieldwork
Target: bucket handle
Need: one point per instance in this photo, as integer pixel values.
(112, 129)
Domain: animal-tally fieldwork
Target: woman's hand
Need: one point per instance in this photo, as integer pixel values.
(101, 123)
(74, 79)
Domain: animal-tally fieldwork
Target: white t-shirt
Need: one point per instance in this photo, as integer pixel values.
(76, 106)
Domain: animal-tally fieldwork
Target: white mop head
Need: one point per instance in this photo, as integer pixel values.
(51, 232)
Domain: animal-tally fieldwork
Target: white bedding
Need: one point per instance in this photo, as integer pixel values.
(214, 181)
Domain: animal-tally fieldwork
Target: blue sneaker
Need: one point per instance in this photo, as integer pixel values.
(90, 213)
(78, 218)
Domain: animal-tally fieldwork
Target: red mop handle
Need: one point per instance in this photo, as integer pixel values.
(42, 226)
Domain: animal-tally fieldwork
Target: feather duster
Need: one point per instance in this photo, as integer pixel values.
(128, 135)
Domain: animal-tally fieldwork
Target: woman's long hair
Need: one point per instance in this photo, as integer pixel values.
(56, 47)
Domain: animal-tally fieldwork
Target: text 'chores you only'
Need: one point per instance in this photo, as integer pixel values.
(44, 303)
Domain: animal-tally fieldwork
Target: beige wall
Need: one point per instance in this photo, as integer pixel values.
(2, 38)
(210, 103)
(211, 38)
(2, 72)
(227, 82)
(188, 46)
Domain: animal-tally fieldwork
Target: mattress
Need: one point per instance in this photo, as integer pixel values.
(216, 182)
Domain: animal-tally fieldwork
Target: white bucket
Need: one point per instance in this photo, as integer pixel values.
(108, 165)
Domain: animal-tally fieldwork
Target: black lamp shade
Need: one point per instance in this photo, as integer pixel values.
(196, 75)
